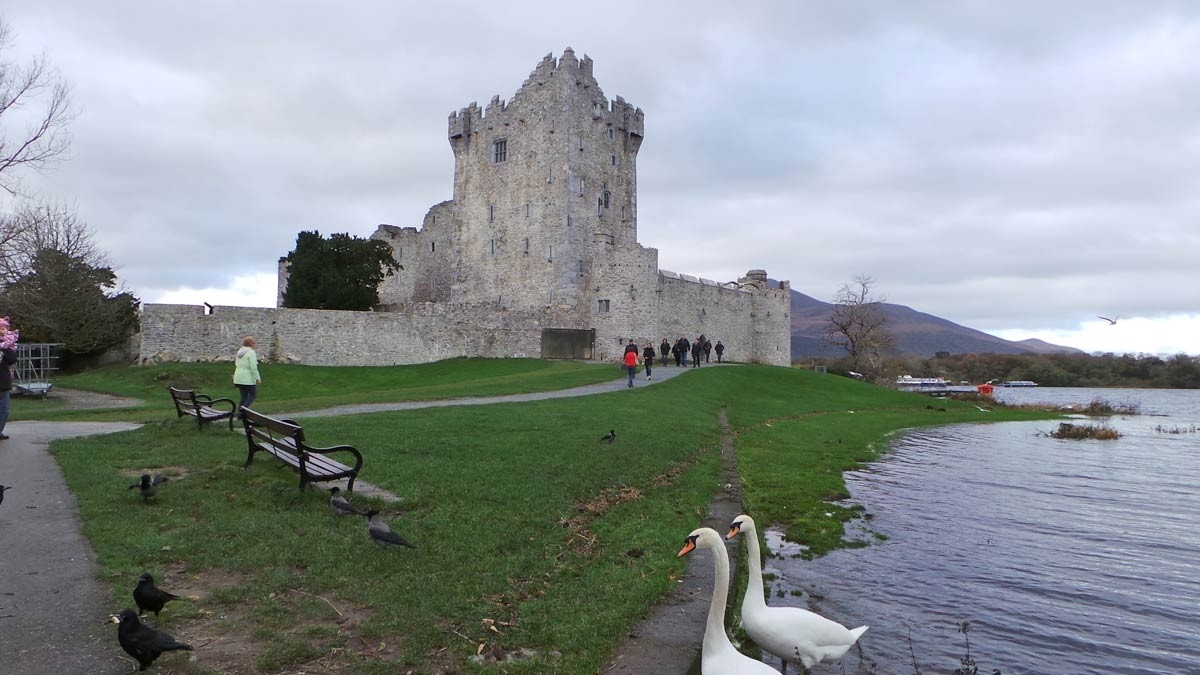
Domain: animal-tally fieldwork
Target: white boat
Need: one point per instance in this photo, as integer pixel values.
(1019, 383)
(919, 383)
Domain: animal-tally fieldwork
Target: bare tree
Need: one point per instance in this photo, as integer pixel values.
(44, 138)
(32, 228)
(858, 325)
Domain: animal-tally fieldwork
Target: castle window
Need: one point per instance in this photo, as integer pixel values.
(622, 212)
(612, 134)
(526, 209)
(599, 204)
(581, 187)
(612, 159)
(432, 246)
(500, 150)
(492, 243)
(602, 306)
(550, 175)
(605, 197)
(526, 245)
(491, 213)
(550, 254)
(581, 143)
(581, 265)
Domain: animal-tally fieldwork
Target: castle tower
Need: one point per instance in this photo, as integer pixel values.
(543, 184)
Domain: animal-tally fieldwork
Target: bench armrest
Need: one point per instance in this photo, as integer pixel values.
(358, 460)
(212, 402)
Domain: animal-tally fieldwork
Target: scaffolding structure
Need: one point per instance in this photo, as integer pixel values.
(36, 363)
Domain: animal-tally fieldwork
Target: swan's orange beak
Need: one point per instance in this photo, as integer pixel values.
(688, 546)
(735, 528)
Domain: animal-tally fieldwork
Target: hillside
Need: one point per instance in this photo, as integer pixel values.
(915, 332)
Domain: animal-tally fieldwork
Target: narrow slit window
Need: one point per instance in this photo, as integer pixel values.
(612, 134)
(612, 159)
(492, 244)
(526, 245)
(491, 213)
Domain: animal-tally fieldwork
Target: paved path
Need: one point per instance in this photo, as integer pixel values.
(660, 374)
(52, 607)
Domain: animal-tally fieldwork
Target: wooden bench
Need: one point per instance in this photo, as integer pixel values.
(203, 408)
(284, 440)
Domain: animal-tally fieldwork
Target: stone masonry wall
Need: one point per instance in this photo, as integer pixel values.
(418, 333)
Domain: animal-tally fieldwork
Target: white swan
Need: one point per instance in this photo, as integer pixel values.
(719, 656)
(791, 633)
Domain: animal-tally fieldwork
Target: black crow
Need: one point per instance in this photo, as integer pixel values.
(149, 597)
(141, 641)
(609, 437)
(2, 489)
(381, 534)
(148, 485)
(341, 507)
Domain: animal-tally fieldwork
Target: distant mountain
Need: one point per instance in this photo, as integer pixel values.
(915, 333)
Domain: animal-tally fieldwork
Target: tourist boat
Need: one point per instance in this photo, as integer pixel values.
(910, 383)
(1019, 383)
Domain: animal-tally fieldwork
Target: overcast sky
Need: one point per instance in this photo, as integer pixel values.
(1016, 167)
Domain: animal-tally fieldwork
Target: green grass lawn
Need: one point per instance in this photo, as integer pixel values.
(296, 387)
(531, 535)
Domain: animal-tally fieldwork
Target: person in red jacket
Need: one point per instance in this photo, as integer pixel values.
(630, 361)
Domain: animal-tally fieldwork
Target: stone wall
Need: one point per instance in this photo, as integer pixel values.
(416, 333)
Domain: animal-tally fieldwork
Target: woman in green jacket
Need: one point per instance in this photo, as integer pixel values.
(245, 372)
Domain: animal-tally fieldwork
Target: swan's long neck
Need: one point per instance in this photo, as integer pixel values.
(715, 638)
(754, 584)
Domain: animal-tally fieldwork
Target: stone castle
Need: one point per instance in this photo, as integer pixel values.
(536, 255)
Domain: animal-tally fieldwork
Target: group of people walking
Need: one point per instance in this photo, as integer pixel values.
(700, 348)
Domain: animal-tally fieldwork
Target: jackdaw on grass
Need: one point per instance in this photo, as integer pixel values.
(609, 437)
(149, 597)
(141, 641)
(381, 534)
(148, 485)
(341, 507)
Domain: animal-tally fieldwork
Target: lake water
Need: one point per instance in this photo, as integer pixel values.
(1066, 556)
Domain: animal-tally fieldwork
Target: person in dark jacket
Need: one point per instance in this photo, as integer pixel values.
(664, 350)
(676, 353)
(696, 351)
(707, 349)
(8, 357)
(719, 349)
(648, 358)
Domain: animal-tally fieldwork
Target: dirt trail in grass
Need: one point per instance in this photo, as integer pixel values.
(667, 641)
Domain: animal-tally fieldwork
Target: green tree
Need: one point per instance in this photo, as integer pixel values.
(67, 299)
(341, 272)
